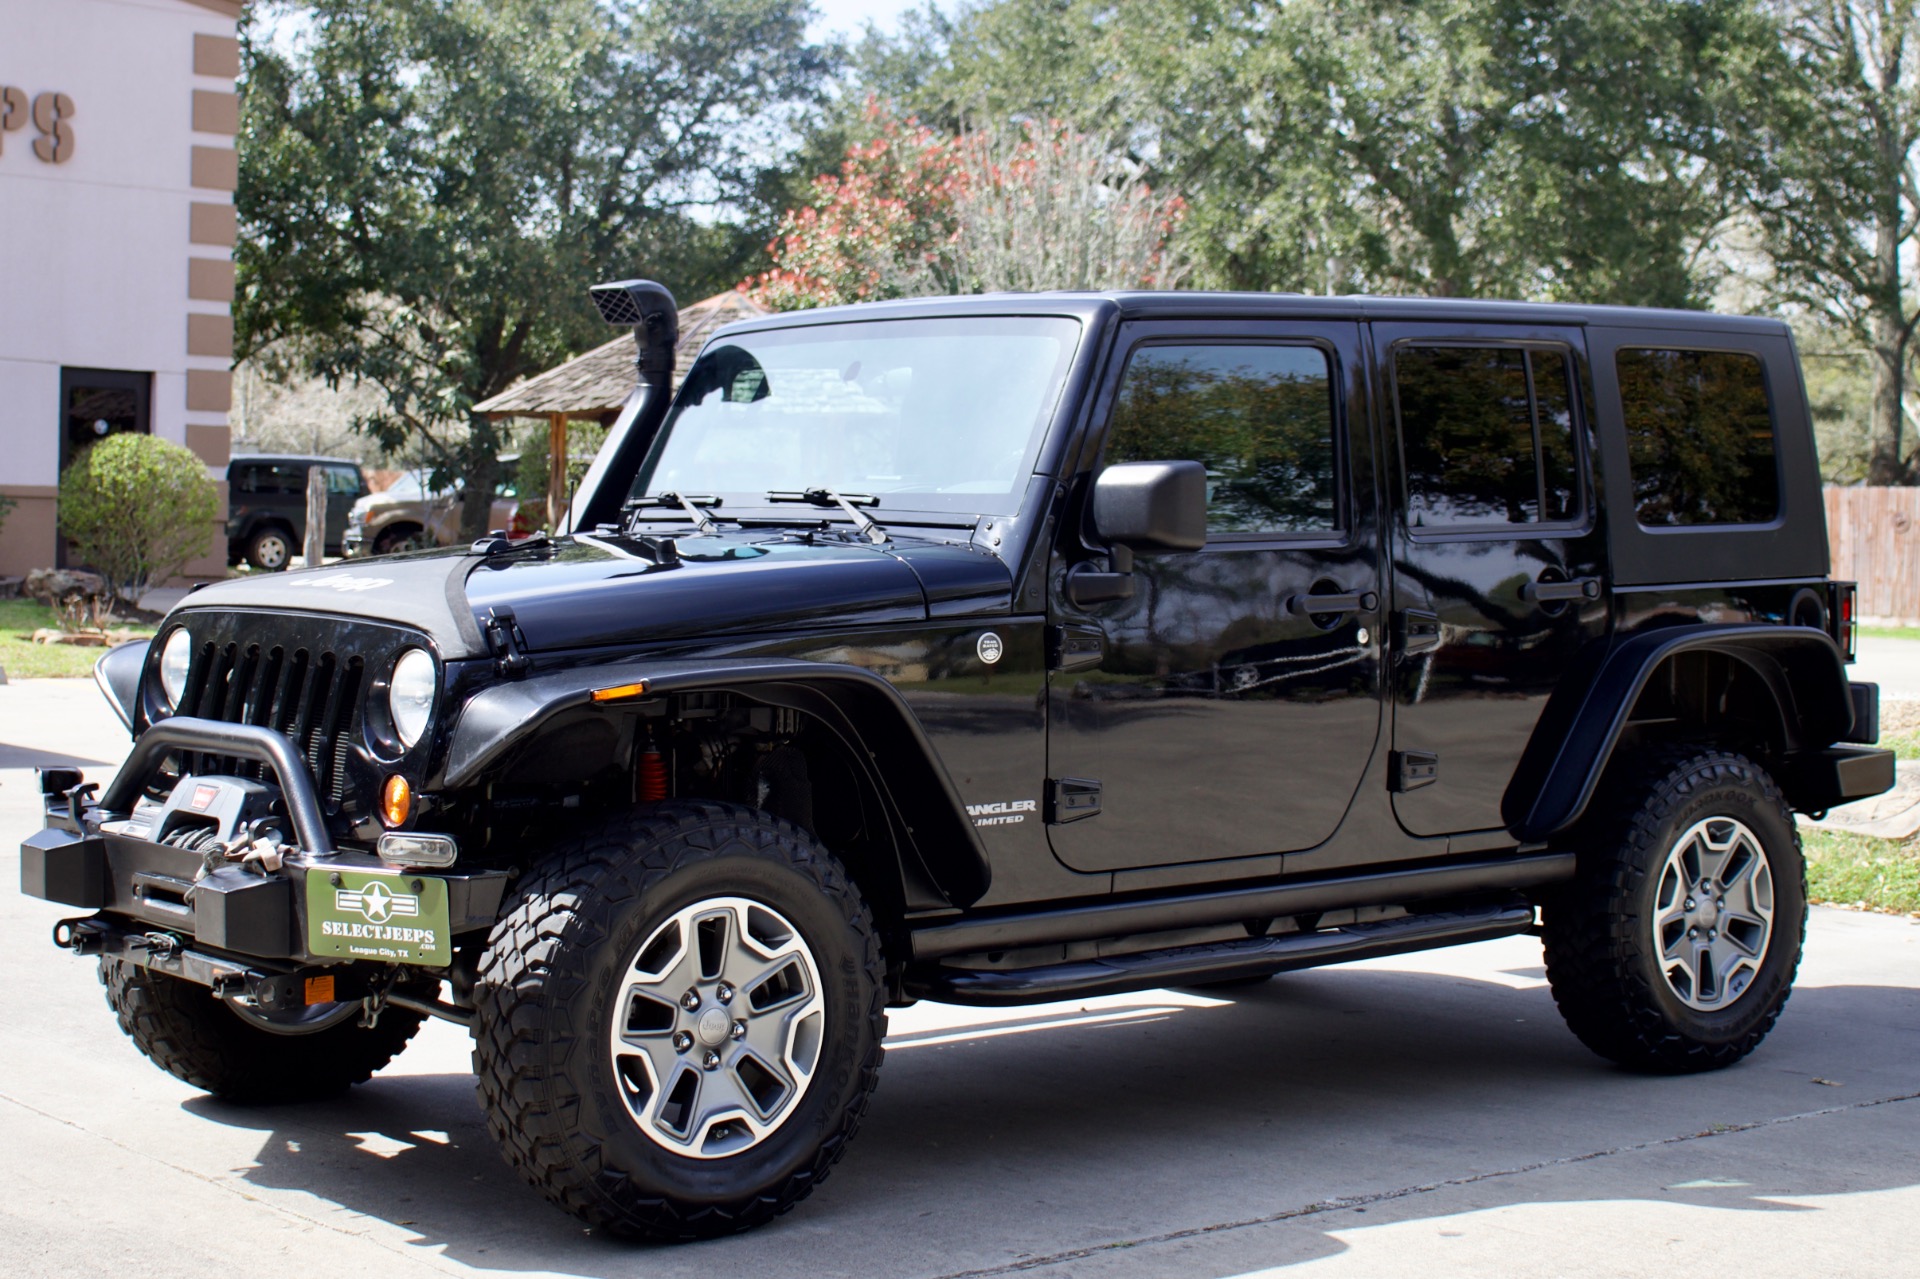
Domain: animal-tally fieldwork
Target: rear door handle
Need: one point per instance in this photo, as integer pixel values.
(1351, 602)
(1580, 588)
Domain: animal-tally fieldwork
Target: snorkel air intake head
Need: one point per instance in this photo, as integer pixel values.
(650, 311)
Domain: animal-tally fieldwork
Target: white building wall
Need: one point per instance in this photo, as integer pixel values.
(94, 251)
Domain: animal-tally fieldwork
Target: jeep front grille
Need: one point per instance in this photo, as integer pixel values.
(312, 697)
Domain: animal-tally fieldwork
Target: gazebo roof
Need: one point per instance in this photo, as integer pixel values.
(599, 381)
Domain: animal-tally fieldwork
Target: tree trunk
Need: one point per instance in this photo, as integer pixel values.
(1884, 445)
(316, 545)
(482, 469)
(1889, 333)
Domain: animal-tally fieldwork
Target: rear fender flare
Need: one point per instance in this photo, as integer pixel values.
(935, 841)
(1801, 668)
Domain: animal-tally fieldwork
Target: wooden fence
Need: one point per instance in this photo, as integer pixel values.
(1874, 534)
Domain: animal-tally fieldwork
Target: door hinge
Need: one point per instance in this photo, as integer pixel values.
(1414, 769)
(1419, 630)
(506, 642)
(1071, 798)
(1075, 648)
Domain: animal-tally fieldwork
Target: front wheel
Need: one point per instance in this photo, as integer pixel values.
(1675, 948)
(246, 1056)
(678, 1021)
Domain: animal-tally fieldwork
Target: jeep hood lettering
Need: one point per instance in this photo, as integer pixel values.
(582, 592)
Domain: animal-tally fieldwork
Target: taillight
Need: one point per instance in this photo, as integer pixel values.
(519, 527)
(1846, 623)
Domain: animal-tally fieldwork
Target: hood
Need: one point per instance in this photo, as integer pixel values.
(584, 592)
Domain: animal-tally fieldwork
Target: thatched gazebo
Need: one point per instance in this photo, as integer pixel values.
(596, 385)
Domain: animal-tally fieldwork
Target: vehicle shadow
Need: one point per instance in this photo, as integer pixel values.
(12, 756)
(1040, 1131)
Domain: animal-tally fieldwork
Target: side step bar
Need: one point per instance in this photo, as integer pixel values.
(1220, 961)
(938, 939)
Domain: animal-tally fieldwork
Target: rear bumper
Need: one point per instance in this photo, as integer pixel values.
(1838, 775)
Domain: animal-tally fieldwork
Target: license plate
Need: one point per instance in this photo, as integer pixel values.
(389, 918)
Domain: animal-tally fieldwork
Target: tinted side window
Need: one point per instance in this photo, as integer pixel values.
(1258, 417)
(1700, 437)
(1487, 435)
(242, 478)
(342, 479)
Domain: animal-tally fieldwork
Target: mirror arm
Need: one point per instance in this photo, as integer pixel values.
(1120, 559)
(1087, 585)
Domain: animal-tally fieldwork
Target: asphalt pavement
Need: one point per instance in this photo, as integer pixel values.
(1421, 1115)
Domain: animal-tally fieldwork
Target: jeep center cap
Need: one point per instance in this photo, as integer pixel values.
(713, 1026)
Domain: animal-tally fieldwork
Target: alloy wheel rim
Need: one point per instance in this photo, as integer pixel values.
(1713, 913)
(717, 1027)
(273, 552)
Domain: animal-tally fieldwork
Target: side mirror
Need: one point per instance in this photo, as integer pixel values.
(1147, 508)
(1152, 507)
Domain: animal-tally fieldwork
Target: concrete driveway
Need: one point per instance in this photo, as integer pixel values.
(1421, 1115)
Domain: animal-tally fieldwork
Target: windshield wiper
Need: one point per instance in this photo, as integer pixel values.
(691, 503)
(848, 502)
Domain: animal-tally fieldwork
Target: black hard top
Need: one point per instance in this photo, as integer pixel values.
(309, 458)
(1175, 304)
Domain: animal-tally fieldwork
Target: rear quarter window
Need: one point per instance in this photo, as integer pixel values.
(1702, 446)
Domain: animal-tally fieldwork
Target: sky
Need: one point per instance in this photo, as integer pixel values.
(849, 17)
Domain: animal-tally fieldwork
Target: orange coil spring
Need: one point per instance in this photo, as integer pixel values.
(653, 776)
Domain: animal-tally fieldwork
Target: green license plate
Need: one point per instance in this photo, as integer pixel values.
(389, 918)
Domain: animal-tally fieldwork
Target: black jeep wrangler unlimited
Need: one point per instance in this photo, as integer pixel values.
(997, 650)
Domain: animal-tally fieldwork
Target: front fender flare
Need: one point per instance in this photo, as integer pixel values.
(869, 714)
(1801, 667)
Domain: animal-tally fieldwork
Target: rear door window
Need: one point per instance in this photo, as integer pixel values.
(1487, 436)
(1700, 437)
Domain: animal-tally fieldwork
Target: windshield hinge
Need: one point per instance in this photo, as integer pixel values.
(506, 642)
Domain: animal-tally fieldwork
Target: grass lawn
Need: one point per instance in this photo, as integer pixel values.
(1845, 869)
(1892, 632)
(21, 658)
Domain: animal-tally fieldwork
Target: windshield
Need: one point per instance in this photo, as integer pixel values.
(939, 415)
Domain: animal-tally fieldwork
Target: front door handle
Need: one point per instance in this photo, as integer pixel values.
(1349, 602)
(1580, 588)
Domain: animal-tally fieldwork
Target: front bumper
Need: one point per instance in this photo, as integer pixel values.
(163, 897)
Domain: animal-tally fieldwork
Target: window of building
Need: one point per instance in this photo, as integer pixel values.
(1487, 436)
(1700, 437)
(1258, 417)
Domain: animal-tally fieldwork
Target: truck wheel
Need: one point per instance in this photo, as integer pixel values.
(678, 1020)
(1676, 946)
(245, 1056)
(270, 549)
(401, 537)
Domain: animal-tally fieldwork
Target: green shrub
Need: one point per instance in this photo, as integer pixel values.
(6, 509)
(137, 509)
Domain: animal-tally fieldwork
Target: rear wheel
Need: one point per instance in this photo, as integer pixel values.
(270, 549)
(678, 1022)
(247, 1056)
(1676, 947)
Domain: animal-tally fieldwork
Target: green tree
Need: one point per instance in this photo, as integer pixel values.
(427, 186)
(138, 509)
(1522, 148)
(1840, 198)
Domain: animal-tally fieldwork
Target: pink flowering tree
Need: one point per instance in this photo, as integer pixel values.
(1023, 208)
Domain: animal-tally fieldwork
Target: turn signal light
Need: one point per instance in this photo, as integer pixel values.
(620, 691)
(396, 800)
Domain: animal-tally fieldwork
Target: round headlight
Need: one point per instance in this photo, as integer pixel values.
(410, 694)
(175, 659)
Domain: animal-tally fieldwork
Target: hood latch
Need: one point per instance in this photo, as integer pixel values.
(507, 642)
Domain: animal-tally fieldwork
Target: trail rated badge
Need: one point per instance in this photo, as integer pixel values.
(396, 919)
